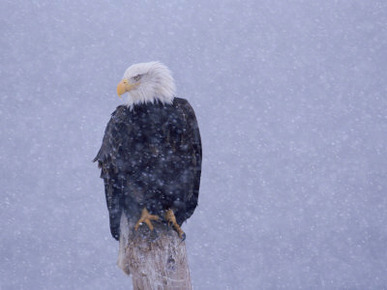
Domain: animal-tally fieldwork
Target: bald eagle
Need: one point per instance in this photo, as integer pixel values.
(151, 153)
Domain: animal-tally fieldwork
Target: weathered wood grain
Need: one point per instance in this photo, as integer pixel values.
(156, 260)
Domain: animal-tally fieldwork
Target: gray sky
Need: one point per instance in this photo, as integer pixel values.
(292, 106)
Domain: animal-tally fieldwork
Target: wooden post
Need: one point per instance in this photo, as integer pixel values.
(156, 260)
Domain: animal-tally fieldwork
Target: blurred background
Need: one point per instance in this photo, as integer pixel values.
(291, 101)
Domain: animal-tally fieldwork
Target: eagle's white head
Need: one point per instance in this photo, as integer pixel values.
(147, 82)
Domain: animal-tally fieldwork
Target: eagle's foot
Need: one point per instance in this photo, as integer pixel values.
(171, 219)
(146, 217)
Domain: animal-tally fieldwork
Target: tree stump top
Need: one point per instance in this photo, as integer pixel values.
(156, 260)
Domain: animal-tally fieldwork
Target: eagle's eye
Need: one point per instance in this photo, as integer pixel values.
(137, 78)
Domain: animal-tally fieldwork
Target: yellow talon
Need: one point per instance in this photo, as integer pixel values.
(146, 217)
(170, 217)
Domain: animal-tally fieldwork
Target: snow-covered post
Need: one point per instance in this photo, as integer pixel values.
(156, 260)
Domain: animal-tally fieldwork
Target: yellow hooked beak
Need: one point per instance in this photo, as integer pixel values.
(124, 86)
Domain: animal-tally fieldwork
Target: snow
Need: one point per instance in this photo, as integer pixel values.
(292, 107)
